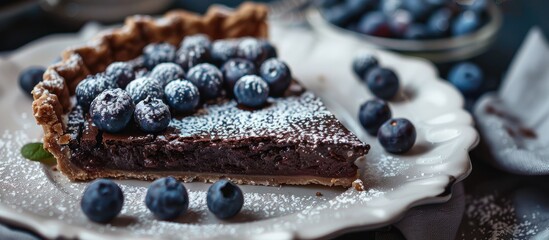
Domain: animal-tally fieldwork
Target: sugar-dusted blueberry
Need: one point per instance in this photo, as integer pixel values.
(102, 201)
(189, 58)
(467, 77)
(182, 95)
(382, 82)
(223, 50)
(112, 110)
(439, 22)
(373, 114)
(234, 69)
(251, 49)
(122, 72)
(156, 53)
(207, 78)
(224, 199)
(167, 198)
(152, 115)
(251, 91)
(397, 135)
(29, 77)
(416, 31)
(167, 72)
(143, 87)
(465, 23)
(277, 75)
(92, 86)
(269, 49)
(374, 23)
(197, 40)
(364, 62)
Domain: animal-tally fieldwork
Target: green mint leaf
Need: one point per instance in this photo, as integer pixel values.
(36, 152)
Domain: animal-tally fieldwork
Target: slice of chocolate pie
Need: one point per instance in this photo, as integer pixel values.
(287, 138)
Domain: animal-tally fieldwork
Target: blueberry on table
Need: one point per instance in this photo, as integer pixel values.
(374, 24)
(397, 135)
(102, 201)
(383, 83)
(277, 75)
(152, 115)
(167, 198)
(364, 62)
(373, 114)
(29, 77)
(189, 58)
(112, 110)
(88, 89)
(224, 199)
(252, 50)
(269, 49)
(122, 72)
(234, 69)
(439, 23)
(416, 31)
(466, 77)
(465, 23)
(143, 87)
(251, 91)
(156, 53)
(207, 78)
(167, 72)
(223, 50)
(182, 95)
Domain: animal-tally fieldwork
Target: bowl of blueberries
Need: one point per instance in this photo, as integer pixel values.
(438, 30)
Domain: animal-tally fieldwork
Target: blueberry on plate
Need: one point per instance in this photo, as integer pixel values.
(152, 115)
(439, 23)
(399, 22)
(91, 86)
(416, 31)
(156, 53)
(223, 50)
(374, 24)
(207, 78)
(143, 87)
(234, 69)
(189, 58)
(397, 135)
(167, 198)
(465, 23)
(252, 50)
(382, 82)
(224, 199)
(251, 91)
(29, 77)
(166, 72)
(122, 73)
(364, 62)
(196, 41)
(182, 95)
(466, 77)
(337, 15)
(112, 110)
(102, 201)
(269, 49)
(277, 75)
(373, 114)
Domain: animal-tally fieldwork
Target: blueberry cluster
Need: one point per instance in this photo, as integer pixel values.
(407, 19)
(166, 198)
(396, 135)
(166, 79)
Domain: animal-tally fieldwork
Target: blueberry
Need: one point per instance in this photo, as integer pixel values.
(438, 3)
(167, 198)
(467, 77)
(251, 91)
(382, 82)
(102, 200)
(166, 72)
(337, 15)
(326, 3)
(207, 78)
(234, 69)
(152, 115)
(189, 58)
(223, 50)
(466, 22)
(373, 114)
(397, 135)
(196, 41)
(29, 77)
(112, 110)
(182, 95)
(122, 73)
(92, 86)
(364, 62)
(478, 6)
(388, 7)
(439, 23)
(418, 8)
(359, 7)
(416, 31)
(400, 21)
(224, 199)
(251, 49)
(143, 87)
(375, 24)
(156, 53)
(277, 75)
(269, 49)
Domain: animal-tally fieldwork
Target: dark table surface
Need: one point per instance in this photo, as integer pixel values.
(30, 22)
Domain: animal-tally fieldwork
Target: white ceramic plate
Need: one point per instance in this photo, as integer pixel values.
(33, 196)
